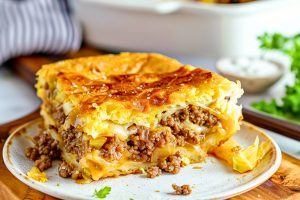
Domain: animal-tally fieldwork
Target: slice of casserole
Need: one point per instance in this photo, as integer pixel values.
(116, 114)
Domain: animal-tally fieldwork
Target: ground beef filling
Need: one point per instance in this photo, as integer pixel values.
(195, 115)
(171, 164)
(113, 148)
(74, 143)
(153, 171)
(56, 111)
(65, 170)
(58, 114)
(142, 144)
(45, 150)
(182, 190)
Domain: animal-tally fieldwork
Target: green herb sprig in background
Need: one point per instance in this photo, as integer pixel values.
(290, 107)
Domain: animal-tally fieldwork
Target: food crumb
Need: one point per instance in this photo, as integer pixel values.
(37, 175)
(235, 149)
(197, 167)
(157, 190)
(172, 163)
(258, 196)
(83, 181)
(153, 171)
(182, 190)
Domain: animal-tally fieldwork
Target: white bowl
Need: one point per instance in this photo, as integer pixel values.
(252, 84)
(184, 28)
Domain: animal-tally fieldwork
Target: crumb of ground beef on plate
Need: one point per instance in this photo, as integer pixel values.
(153, 171)
(172, 163)
(182, 190)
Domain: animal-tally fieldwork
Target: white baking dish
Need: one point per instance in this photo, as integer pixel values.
(185, 28)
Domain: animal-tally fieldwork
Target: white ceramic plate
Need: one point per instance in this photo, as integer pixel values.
(215, 180)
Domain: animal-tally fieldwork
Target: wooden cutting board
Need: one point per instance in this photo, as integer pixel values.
(284, 184)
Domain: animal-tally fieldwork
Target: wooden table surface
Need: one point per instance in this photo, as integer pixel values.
(284, 184)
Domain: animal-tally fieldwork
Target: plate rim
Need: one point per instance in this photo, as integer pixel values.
(261, 178)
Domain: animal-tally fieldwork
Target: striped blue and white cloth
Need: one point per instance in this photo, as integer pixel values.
(37, 26)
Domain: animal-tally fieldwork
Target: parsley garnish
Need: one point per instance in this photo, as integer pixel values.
(289, 107)
(102, 193)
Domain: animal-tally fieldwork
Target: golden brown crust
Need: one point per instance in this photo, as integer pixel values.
(106, 65)
(140, 80)
(143, 90)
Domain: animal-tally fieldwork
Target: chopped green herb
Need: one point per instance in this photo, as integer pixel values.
(58, 184)
(102, 193)
(290, 104)
(131, 199)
